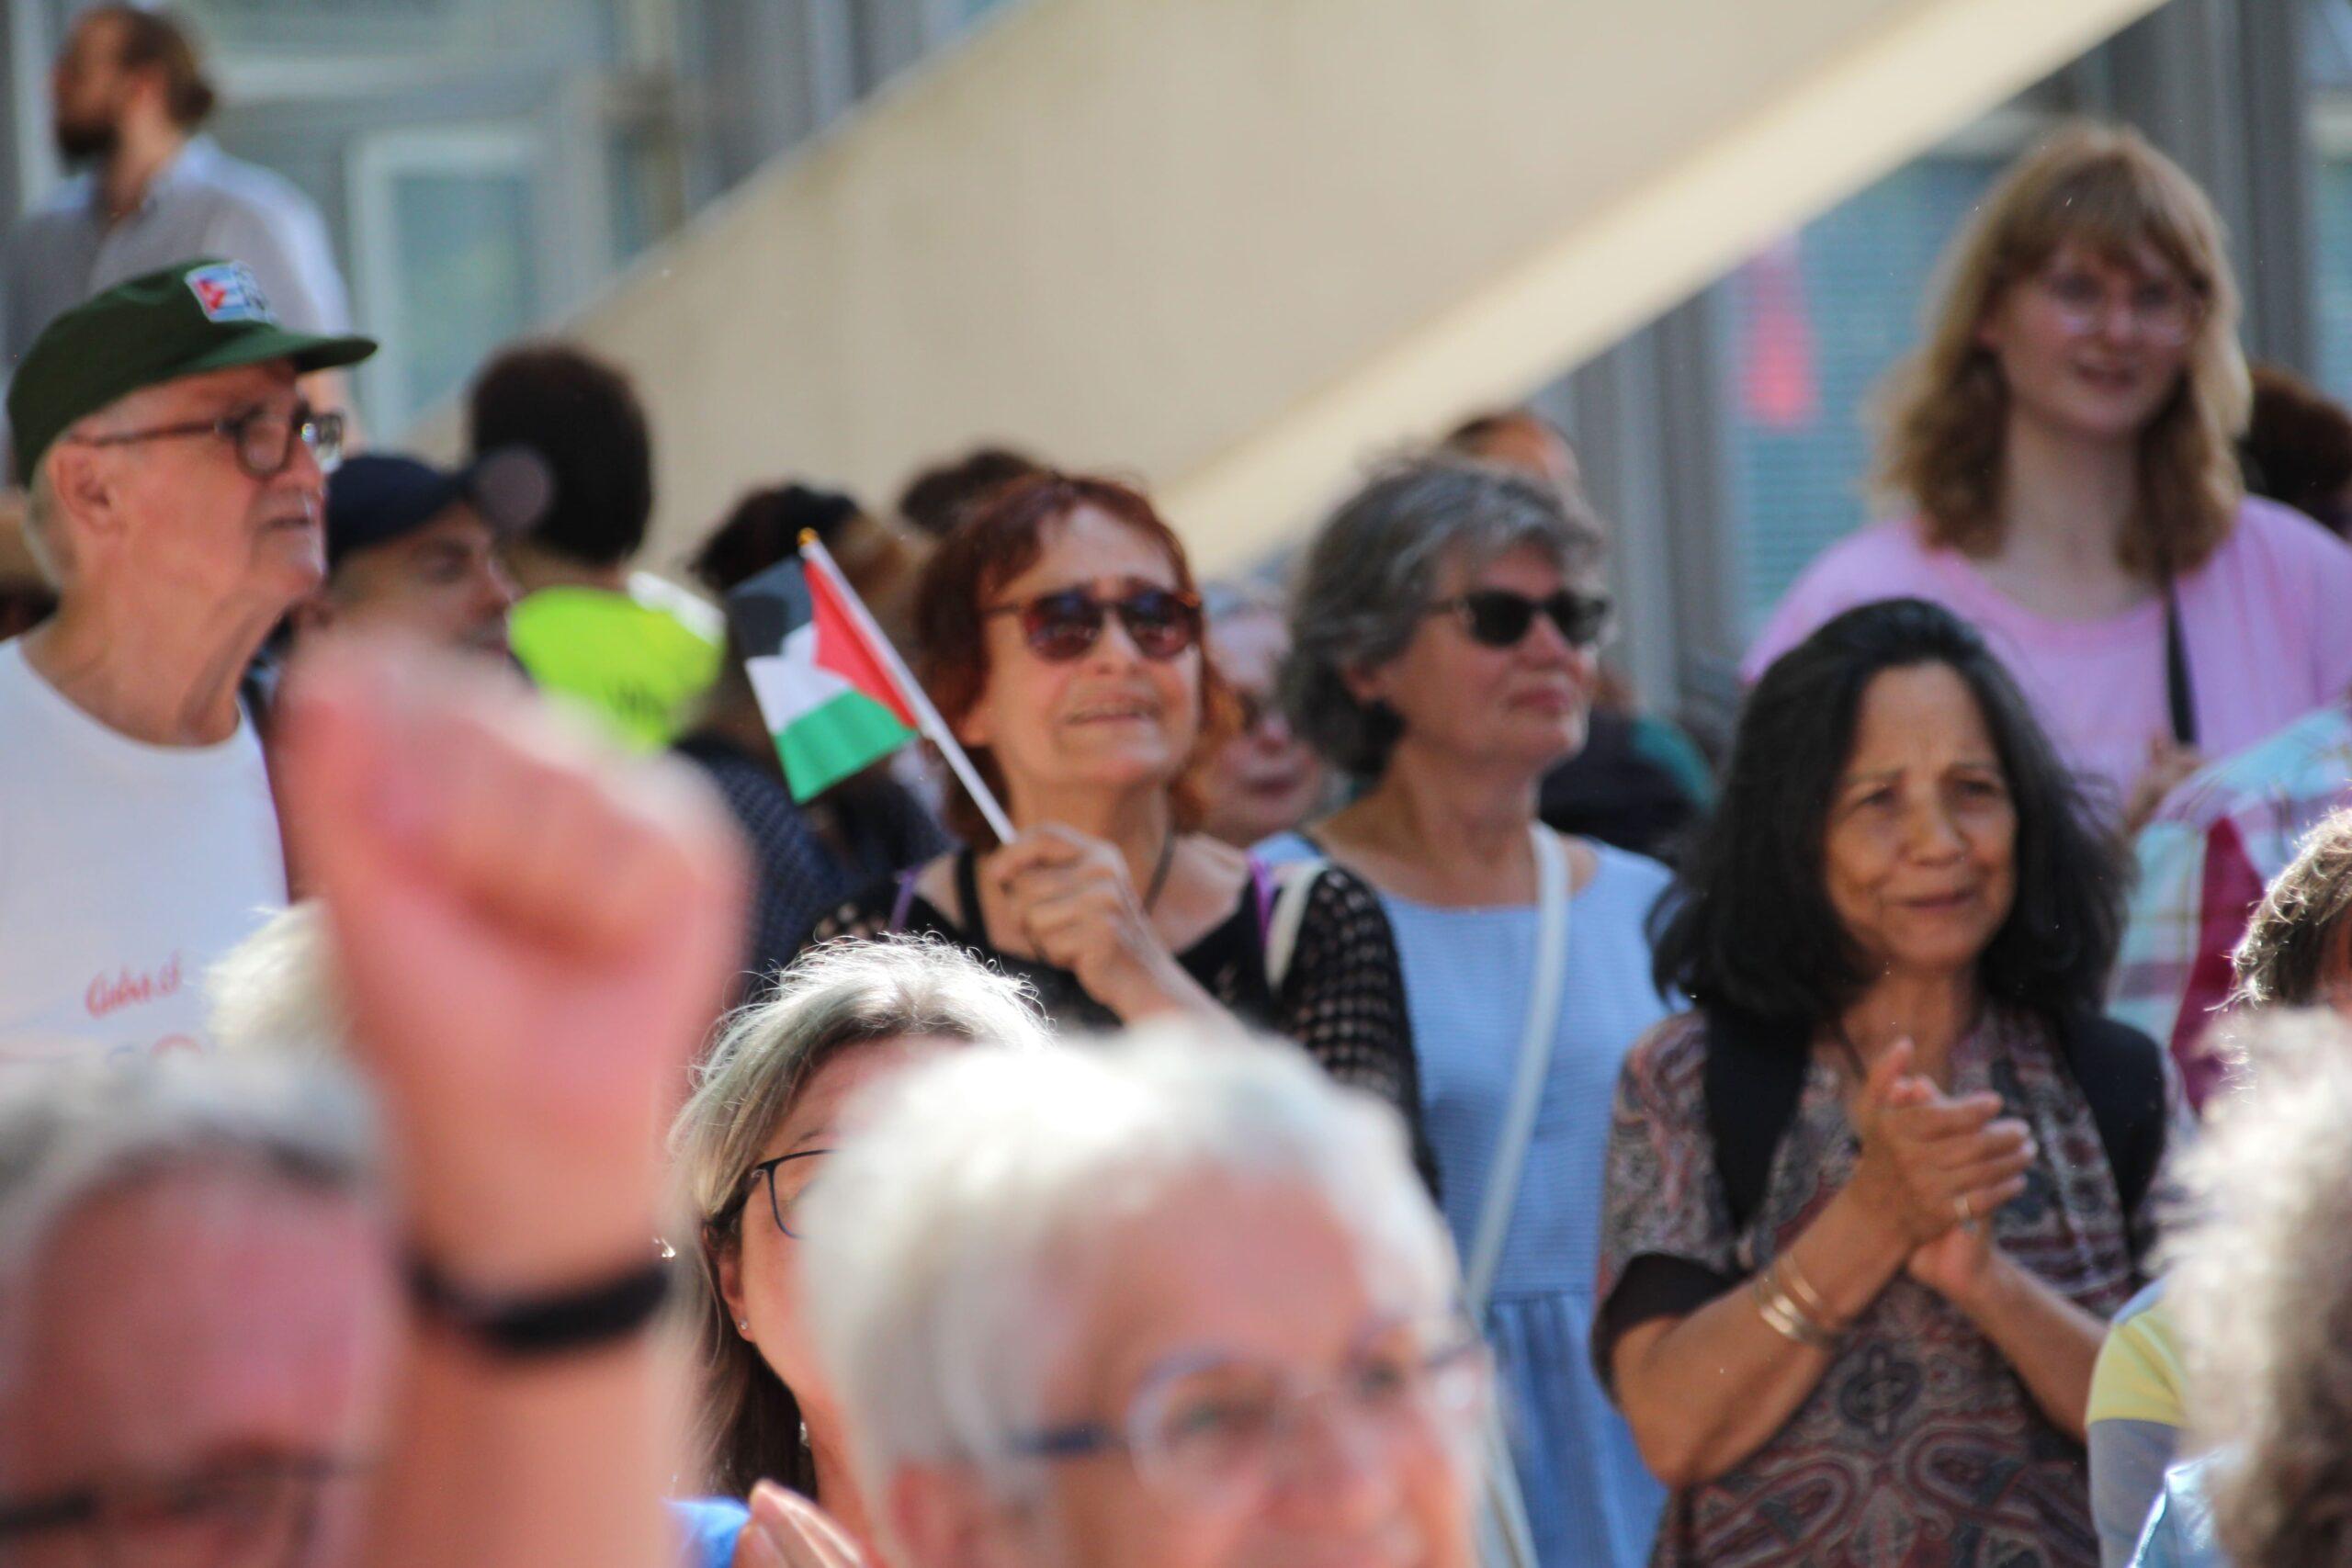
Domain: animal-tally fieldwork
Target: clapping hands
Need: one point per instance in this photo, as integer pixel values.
(1936, 1168)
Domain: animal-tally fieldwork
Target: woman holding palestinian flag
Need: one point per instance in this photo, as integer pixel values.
(1061, 642)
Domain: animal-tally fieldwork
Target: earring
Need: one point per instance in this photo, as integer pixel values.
(743, 1326)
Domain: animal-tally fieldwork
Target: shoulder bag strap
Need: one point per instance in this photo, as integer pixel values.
(1541, 1022)
(2180, 700)
(1288, 914)
(1506, 1538)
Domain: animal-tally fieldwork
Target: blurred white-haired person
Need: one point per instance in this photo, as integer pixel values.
(198, 1313)
(755, 1136)
(2262, 1289)
(275, 993)
(1178, 1301)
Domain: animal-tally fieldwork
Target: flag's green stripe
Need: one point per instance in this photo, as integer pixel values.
(827, 744)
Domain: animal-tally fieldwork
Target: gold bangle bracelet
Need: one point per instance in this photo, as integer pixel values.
(1791, 1278)
(1778, 1314)
(1786, 1318)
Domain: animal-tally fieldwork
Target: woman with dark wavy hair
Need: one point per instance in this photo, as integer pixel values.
(1869, 1206)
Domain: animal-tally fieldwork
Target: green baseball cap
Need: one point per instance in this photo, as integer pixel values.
(198, 316)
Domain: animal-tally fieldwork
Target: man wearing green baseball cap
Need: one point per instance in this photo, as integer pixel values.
(177, 482)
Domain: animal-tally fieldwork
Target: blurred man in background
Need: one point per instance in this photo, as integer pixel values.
(628, 650)
(414, 548)
(940, 496)
(130, 98)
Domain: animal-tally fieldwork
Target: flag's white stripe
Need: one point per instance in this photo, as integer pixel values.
(910, 690)
(790, 683)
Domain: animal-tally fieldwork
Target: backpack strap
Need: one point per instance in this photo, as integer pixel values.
(1754, 1078)
(2122, 1073)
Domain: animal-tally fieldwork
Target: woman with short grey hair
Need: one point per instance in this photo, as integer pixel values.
(1178, 1299)
(1446, 632)
(766, 1108)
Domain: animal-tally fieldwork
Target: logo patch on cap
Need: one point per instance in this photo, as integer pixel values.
(226, 291)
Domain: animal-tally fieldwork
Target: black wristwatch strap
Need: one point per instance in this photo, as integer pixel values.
(553, 1323)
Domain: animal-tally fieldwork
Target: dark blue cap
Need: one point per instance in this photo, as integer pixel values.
(374, 498)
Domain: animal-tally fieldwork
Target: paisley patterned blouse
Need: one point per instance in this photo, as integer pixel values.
(1920, 1447)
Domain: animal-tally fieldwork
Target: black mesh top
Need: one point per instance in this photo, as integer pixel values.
(1343, 998)
(800, 874)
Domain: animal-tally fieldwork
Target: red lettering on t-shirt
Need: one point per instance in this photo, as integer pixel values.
(129, 988)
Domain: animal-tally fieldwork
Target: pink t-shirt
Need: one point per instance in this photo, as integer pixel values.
(2266, 624)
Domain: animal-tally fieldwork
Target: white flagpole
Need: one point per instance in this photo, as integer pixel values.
(910, 692)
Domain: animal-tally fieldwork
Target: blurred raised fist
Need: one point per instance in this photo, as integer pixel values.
(532, 935)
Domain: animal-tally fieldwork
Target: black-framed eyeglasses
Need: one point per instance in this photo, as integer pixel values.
(1498, 617)
(780, 1206)
(263, 438)
(1207, 1429)
(253, 1510)
(1061, 626)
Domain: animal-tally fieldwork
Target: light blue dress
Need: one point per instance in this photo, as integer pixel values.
(1591, 1500)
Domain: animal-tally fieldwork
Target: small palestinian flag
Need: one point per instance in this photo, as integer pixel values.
(822, 674)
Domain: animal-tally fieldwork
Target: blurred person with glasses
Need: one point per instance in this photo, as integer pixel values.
(1176, 1303)
(198, 1311)
(1446, 635)
(177, 479)
(2061, 453)
(770, 1103)
(1061, 639)
(1264, 780)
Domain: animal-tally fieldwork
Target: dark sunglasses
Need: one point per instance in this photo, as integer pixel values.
(1501, 619)
(1061, 626)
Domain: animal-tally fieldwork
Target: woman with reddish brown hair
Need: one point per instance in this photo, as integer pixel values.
(1060, 638)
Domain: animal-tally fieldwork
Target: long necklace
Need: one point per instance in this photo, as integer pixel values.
(1160, 872)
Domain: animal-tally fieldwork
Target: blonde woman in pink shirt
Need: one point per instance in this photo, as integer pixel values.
(2061, 453)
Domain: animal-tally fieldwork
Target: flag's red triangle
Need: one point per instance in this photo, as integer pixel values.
(843, 649)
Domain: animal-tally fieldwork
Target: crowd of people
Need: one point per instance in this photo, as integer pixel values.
(1380, 1092)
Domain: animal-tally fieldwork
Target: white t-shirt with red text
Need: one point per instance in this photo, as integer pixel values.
(125, 869)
